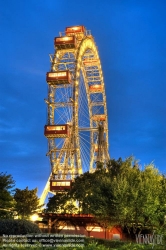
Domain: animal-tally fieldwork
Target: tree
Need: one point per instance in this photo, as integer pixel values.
(123, 194)
(27, 202)
(61, 203)
(138, 194)
(139, 197)
(120, 194)
(6, 199)
(161, 212)
(56, 203)
(81, 191)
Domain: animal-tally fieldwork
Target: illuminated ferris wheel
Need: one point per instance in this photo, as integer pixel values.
(77, 125)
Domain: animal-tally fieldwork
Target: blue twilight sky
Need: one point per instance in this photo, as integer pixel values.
(131, 38)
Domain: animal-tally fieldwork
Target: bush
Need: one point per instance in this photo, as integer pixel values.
(107, 243)
(119, 245)
(17, 227)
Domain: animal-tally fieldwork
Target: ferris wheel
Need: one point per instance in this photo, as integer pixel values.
(77, 123)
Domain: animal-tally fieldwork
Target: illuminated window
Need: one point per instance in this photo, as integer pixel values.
(95, 229)
(53, 128)
(60, 128)
(60, 183)
(67, 227)
(66, 183)
(65, 38)
(56, 74)
(50, 128)
(75, 29)
(54, 183)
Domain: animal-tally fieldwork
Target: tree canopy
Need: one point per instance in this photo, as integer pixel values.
(61, 203)
(6, 199)
(121, 194)
(27, 202)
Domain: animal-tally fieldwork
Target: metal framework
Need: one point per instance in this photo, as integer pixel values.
(79, 104)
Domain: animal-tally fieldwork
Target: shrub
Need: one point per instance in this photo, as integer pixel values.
(17, 227)
(119, 245)
(107, 243)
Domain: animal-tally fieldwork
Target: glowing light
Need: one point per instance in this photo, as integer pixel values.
(50, 128)
(90, 61)
(34, 217)
(61, 184)
(75, 29)
(96, 87)
(95, 147)
(99, 117)
(53, 74)
(65, 38)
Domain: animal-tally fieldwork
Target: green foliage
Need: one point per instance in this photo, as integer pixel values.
(107, 243)
(101, 245)
(61, 203)
(27, 202)
(94, 245)
(6, 199)
(122, 194)
(120, 245)
(6, 182)
(56, 203)
(17, 227)
(139, 196)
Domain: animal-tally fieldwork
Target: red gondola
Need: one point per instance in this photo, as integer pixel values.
(99, 117)
(56, 131)
(58, 77)
(65, 42)
(60, 185)
(75, 29)
(96, 88)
